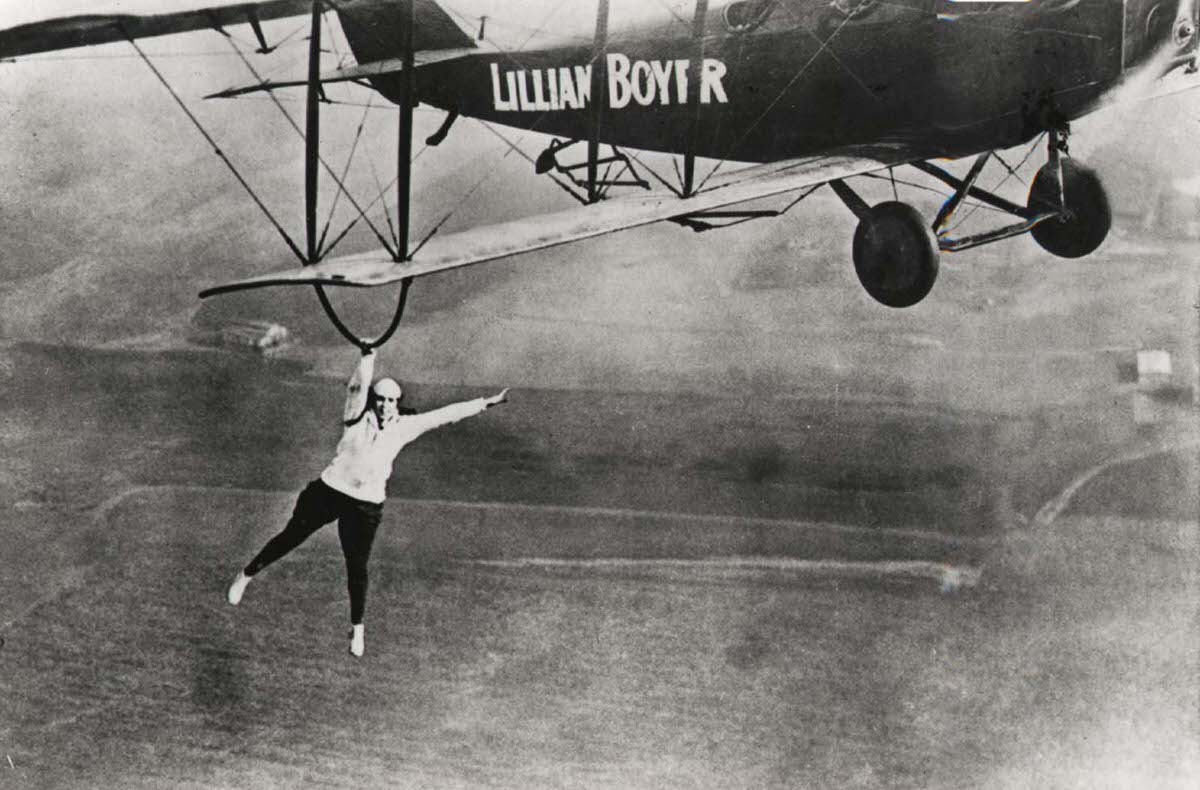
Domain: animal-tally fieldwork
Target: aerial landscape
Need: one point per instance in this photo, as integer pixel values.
(738, 525)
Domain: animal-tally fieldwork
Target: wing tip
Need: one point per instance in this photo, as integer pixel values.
(269, 282)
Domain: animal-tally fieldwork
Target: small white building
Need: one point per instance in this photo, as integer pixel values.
(1153, 380)
(276, 335)
(262, 336)
(1153, 369)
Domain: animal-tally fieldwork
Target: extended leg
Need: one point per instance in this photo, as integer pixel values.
(315, 507)
(356, 531)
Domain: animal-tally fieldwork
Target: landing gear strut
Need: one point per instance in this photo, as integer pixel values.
(896, 255)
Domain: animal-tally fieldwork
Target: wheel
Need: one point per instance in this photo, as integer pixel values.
(895, 254)
(1088, 216)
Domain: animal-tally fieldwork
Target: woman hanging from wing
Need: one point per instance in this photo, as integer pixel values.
(352, 488)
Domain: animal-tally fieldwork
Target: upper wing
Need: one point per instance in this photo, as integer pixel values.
(92, 29)
(492, 242)
(434, 28)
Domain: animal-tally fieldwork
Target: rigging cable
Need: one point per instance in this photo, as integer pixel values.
(328, 169)
(800, 73)
(824, 48)
(1011, 172)
(515, 147)
(480, 182)
(934, 190)
(508, 54)
(637, 159)
(345, 171)
(387, 214)
(217, 149)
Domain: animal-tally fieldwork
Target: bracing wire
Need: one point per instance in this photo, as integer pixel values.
(341, 186)
(514, 147)
(927, 188)
(221, 154)
(782, 92)
(387, 215)
(533, 126)
(332, 39)
(637, 159)
(345, 171)
(1011, 173)
(480, 182)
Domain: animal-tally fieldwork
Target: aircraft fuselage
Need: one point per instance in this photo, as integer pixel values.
(809, 77)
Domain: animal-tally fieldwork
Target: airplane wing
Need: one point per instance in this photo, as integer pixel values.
(350, 73)
(434, 28)
(91, 29)
(492, 242)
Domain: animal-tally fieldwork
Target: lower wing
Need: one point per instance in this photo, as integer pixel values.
(493, 242)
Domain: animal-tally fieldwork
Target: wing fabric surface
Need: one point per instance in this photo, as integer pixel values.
(380, 21)
(92, 29)
(349, 73)
(492, 242)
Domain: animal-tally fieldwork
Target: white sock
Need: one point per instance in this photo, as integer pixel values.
(234, 596)
(357, 642)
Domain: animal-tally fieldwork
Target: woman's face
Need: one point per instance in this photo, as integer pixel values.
(386, 395)
(386, 407)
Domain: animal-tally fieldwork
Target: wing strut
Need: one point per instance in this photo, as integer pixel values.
(256, 26)
(693, 97)
(404, 153)
(312, 133)
(599, 94)
(312, 140)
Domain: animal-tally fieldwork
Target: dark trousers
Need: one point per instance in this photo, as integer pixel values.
(317, 505)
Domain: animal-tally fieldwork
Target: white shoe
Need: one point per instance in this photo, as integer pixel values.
(237, 589)
(357, 643)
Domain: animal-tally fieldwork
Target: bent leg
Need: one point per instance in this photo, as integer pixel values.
(315, 507)
(356, 531)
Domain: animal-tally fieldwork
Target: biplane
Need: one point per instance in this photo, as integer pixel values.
(784, 96)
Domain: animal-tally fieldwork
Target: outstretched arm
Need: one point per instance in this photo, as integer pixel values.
(457, 411)
(357, 388)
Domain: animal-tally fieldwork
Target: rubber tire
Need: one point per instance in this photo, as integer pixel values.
(1090, 216)
(896, 254)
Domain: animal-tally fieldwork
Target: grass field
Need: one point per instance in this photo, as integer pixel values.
(616, 600)
(1070, 663)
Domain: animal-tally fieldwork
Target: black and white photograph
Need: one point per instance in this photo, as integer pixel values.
(600, 394)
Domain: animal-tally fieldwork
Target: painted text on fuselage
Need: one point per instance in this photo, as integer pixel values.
(630, 83)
